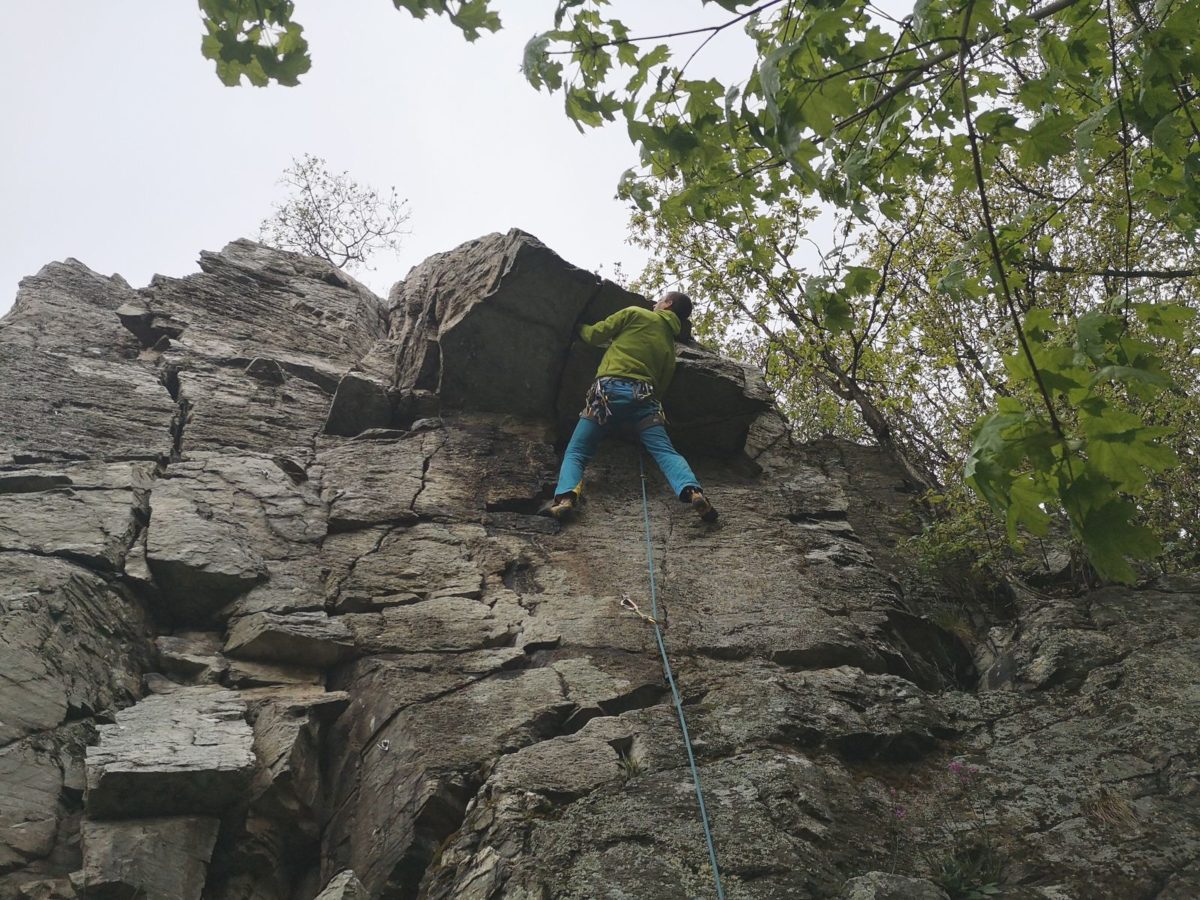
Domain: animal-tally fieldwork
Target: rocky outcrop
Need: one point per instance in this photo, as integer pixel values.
(278, 621)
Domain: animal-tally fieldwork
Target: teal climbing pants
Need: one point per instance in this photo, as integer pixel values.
(613, 402)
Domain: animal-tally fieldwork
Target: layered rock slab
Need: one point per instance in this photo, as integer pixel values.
(72, 645)
(73, 386)
(487, 324)
(224, 524)
(257, 345)
(189, 751)
(158, 859)
(88, 512)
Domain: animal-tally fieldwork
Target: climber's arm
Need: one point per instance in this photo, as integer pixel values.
(605, 330)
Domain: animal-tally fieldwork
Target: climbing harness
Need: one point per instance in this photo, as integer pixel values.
(662, 649)
(597, 405)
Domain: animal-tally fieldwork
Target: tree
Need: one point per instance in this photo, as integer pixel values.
(332, 216)
(851, 106)
(260, 41)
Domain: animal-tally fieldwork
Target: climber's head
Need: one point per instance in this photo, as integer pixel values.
(681, 305)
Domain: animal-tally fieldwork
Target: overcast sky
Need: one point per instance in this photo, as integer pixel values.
(126, 152)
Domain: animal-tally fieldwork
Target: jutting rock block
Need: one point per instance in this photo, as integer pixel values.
(150, 859)
(185, 752)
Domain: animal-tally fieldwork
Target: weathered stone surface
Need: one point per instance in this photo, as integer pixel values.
(92, 513)
(407, 789)
(71, 645)
(289, 726)
(186, 752)
(192, 656)
(246, 674)
(261, 339)
(30, 813)
(222, 524)
(158, 859)
(885, 886)
(297, 310)
(300, 638)
(226, 407)
(373, 569)
(71, 385)
(858, 715)
(1101, 750)
(360, 403)
(487, 325)
(344, 886)
(625, 816)
(459, 469)
(440, 625)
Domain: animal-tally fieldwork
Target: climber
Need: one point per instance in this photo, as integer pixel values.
(634, 373)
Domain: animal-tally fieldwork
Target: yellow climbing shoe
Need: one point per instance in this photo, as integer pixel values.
(705, 510)
(563, 506)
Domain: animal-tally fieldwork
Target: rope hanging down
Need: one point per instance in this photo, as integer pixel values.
(662, 649)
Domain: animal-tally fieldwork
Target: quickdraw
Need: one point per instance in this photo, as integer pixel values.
(628, 603)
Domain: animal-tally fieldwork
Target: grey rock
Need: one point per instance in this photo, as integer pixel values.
(246, 674)
(266, 370)
(182, 753)
(487, 325)
(93, 513)
(288, 735)
(359, 404)
(47, 889)
(71, 645)
(344, 886)
(256, 310)
(439, 625)
(459, 470)
(222, 524)
(440, 692)
(374, 569)
(300, 639)
(192, 656)
(158, 859)
(29, 818)
(147, 327)
(373, 483)
(73, 386)
(407, 792)
(884, 886)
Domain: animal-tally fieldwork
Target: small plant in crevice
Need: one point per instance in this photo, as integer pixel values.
(973, 869)
(631, 765)
(952, 842)
(1111, 810)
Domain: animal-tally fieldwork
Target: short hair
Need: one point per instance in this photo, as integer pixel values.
(681, 304)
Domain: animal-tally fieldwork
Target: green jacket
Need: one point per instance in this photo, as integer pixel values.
(642, 348)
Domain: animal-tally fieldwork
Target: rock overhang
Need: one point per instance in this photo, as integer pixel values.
(492, 326)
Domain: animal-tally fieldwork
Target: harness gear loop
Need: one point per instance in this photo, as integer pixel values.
(662, 649)
(597, 405)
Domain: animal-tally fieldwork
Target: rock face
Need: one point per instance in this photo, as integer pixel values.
(278, 621)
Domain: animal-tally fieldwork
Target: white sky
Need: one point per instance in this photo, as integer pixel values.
(126, 152)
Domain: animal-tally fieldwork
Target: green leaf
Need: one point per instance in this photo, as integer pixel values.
(1109, 535)
(539, 68)
(1123, 448)
(1047, 139)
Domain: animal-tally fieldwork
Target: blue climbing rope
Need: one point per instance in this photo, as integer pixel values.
(662, 649)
